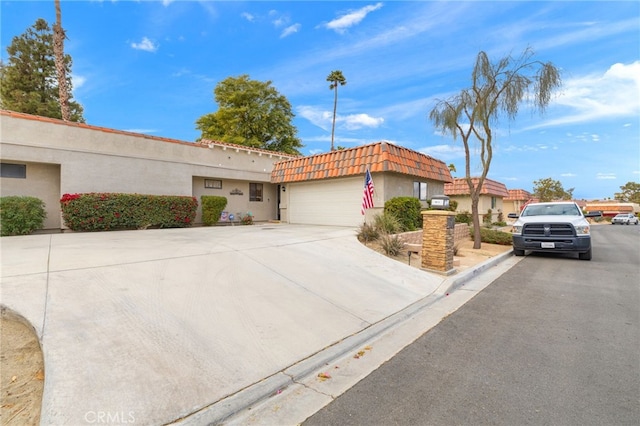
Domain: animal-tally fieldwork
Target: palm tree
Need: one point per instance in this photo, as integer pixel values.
(58, 50)
(336, 78)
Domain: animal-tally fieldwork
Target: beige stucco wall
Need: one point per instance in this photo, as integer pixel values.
(43, 182)
(103, 160)
(484, 204)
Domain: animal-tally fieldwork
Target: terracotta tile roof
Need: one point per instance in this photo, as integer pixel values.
(379, 157)
(202, 144)
(518, 195)
(490, 187)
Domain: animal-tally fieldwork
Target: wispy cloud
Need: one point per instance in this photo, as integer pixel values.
(606, 176)
(444, 152)
(249, 17)
(146, 44)
(291, 29)
(611, 94)
(324, 119)
(351, 18)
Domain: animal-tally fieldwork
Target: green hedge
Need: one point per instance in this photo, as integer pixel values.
(212, 208)
(407, 210)
(491, 236)
(108, 211)
(21, 215)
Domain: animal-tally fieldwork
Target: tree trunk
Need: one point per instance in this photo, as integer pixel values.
(335, 104)
(58, 50)
(477, 238)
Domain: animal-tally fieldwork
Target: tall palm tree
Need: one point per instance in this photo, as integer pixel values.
(58, 50)
(336, 78)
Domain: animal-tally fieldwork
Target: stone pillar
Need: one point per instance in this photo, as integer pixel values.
(437, 241)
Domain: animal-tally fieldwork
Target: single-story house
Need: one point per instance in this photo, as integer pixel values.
(492, 195)
(610, 208)
(516, 200)
(327, 189)
(46, 158)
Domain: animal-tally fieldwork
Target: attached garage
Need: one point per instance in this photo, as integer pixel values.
(327, 189)
(326, 202)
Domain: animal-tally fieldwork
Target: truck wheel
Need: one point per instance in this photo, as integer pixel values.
(518, 252)
(585, 256)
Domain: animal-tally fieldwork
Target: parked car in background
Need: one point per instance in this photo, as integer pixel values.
(624, 219)
(552, 227)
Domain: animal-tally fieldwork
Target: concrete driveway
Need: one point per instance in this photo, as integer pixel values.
(160, 326)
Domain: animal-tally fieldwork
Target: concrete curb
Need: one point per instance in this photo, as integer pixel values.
(223, 409)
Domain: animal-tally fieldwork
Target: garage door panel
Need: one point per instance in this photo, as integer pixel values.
(326, 203)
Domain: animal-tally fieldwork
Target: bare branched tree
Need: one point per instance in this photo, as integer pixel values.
(497, 90)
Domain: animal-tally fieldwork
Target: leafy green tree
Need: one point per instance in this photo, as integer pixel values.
(551, 190)
(336, 79)
(28, 81)
(251, 113)
(630, 193)
(497, 90)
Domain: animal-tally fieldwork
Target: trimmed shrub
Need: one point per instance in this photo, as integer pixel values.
(21, 215)
(109, 211)
(407, 210)
(212, 208)
(491, 236)
(453, 205)
(464, 217)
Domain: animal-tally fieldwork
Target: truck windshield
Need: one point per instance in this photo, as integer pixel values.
(551, 210)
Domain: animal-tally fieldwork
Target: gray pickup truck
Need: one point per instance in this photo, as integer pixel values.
(552, 227)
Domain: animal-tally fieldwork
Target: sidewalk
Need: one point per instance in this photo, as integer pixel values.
(194, 325)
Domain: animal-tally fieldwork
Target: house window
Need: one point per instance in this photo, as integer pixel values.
(18, 171)
(420, 190)
(494, 202)
(212, 183)
(255, 192)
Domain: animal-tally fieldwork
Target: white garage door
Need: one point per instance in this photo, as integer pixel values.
(327, 202)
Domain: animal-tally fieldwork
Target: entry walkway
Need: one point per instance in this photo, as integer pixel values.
(191, 325)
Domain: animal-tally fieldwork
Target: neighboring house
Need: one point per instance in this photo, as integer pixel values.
(327, 189)
(516, 200)
(491, 196)
(46, 158)
(610, 208)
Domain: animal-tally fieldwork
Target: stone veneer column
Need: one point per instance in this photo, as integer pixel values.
(437, 241)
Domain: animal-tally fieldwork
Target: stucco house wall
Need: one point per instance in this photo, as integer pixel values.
(63, 157)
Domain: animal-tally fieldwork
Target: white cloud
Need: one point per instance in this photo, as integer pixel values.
(249, 17)
(444, 152)
(611, 94)
(350, 19)
(146, 45)
(291, 29)
(605, 176)
(77, 81)
(324, 119)
(568, 175)
(358, 121)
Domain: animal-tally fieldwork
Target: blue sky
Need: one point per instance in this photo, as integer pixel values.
(151, 67)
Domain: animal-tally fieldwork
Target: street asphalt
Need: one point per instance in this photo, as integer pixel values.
(259, 324)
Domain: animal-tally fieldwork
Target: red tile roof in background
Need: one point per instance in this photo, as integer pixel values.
(490, 187)
(380, 157)
(518, 195)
